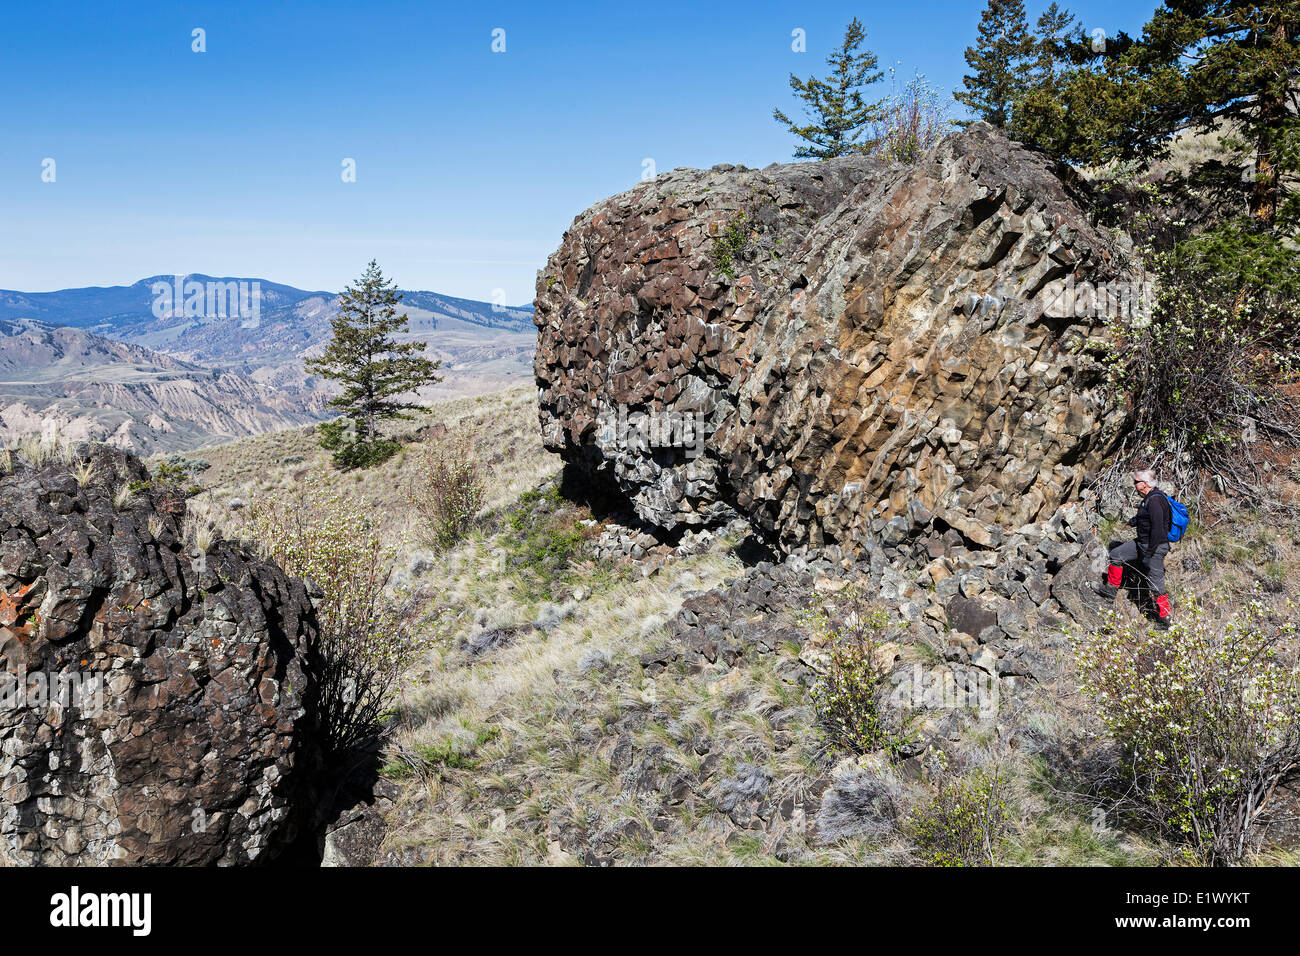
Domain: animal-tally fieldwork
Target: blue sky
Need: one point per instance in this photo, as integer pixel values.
(469, 164)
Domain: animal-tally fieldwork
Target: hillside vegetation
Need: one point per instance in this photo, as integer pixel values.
(544, 722)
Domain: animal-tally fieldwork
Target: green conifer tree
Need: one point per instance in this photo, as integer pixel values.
(999, 60)
(835, 105)
(373, 368)
(1058, 44)
(1202, 65)
(1055, 34)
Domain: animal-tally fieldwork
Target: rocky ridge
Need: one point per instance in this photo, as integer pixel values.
(889, 380)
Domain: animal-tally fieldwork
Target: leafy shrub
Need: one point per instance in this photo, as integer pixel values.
(447, 492)
(964, 823)
(1204, 382)
(729, 247)
(187, 465)
(1199, 354)
(171, 480)
(368, 636)
(1207, 719)
(847, 695)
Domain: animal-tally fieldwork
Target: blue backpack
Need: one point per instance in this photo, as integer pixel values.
(1178, 519)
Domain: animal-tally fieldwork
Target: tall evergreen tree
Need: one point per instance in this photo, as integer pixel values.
(1055, 34)
(999, 59)
(1058, 43)
(1197, 65)
(839, 115)
(373, 368)
(1210, 61)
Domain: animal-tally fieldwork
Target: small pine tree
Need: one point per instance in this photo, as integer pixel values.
(999, 59)
(373, 367)
(835, 105)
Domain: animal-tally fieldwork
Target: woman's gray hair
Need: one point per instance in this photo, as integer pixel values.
(1146, 475)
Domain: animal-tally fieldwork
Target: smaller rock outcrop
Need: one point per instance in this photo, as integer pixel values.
(158, 701)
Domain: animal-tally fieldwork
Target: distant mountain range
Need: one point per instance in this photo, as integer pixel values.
(106, 309)
(152, 367)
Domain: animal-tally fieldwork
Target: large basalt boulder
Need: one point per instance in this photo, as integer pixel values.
(868, 349)
(157, 704)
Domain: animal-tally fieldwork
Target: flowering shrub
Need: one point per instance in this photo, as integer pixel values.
(447, 492)
(912, 119)
(1207, 717)
(964, 824)
(368, 635)
(847, 695)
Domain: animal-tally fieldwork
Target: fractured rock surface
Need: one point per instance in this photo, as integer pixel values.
(868, 348)
(196, 746)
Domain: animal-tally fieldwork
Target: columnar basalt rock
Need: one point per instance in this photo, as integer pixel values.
(873, 351)
(157, 702)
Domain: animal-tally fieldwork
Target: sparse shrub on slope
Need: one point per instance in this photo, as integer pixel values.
(368, 636)
(848, 694)
(1200, 353)
(447, 492)
(912, 119)
(964, 823)
(1207, 718)
(729, 247)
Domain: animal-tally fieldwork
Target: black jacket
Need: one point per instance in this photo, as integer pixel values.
(1153, 520)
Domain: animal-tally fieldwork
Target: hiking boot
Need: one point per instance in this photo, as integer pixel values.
(1163, 611)
(1114, 578)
